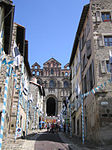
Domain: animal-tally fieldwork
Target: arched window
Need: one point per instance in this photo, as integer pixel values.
(66, 73)
(52, 71)
(36, 67)
(66, 84)
(33, 73)
(51, 84)
(37, 73)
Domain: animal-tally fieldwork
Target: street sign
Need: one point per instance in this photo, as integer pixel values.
(19, 132)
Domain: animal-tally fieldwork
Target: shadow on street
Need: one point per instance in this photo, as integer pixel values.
(47, 138)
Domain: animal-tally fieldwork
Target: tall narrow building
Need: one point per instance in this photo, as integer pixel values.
(94, 43)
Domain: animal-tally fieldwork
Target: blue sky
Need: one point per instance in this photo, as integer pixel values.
(50, 27)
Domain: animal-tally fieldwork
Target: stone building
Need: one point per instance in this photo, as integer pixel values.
(36, 104)
(6, 26)
(19, 98)
(55, 81)
(94, 41)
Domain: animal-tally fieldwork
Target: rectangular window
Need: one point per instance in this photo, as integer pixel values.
(103, 66)
(106, 16)
(108, 66)
(98, 16)
(108, 40)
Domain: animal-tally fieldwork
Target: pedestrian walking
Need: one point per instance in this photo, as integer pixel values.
(48, 126)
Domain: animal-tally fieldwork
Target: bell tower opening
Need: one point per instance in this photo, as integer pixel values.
(51, 107)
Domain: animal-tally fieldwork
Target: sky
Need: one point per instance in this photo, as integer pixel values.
(51, 26)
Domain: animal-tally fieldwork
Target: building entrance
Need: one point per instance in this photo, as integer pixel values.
(51, 107)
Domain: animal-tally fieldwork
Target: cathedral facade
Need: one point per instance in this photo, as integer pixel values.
(56, 83)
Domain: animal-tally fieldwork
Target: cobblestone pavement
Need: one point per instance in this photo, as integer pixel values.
(48, 141)
(75, 143)
(20, 144)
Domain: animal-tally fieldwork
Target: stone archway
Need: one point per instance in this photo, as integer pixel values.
(51, 106)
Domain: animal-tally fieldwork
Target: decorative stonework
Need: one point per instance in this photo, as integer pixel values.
(55, 80)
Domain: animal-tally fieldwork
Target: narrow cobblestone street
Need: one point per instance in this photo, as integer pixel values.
(42, 140)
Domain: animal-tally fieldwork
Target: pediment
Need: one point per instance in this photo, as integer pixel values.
(52, 60)
(36, 65)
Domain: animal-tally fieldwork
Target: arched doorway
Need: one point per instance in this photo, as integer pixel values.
(51, 107)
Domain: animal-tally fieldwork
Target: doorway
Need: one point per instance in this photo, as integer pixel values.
(51, 107)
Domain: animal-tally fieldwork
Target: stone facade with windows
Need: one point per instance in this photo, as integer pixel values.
(94, 38)
(6, 27)
(55, 81)
(36, 104)
(23, 77)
